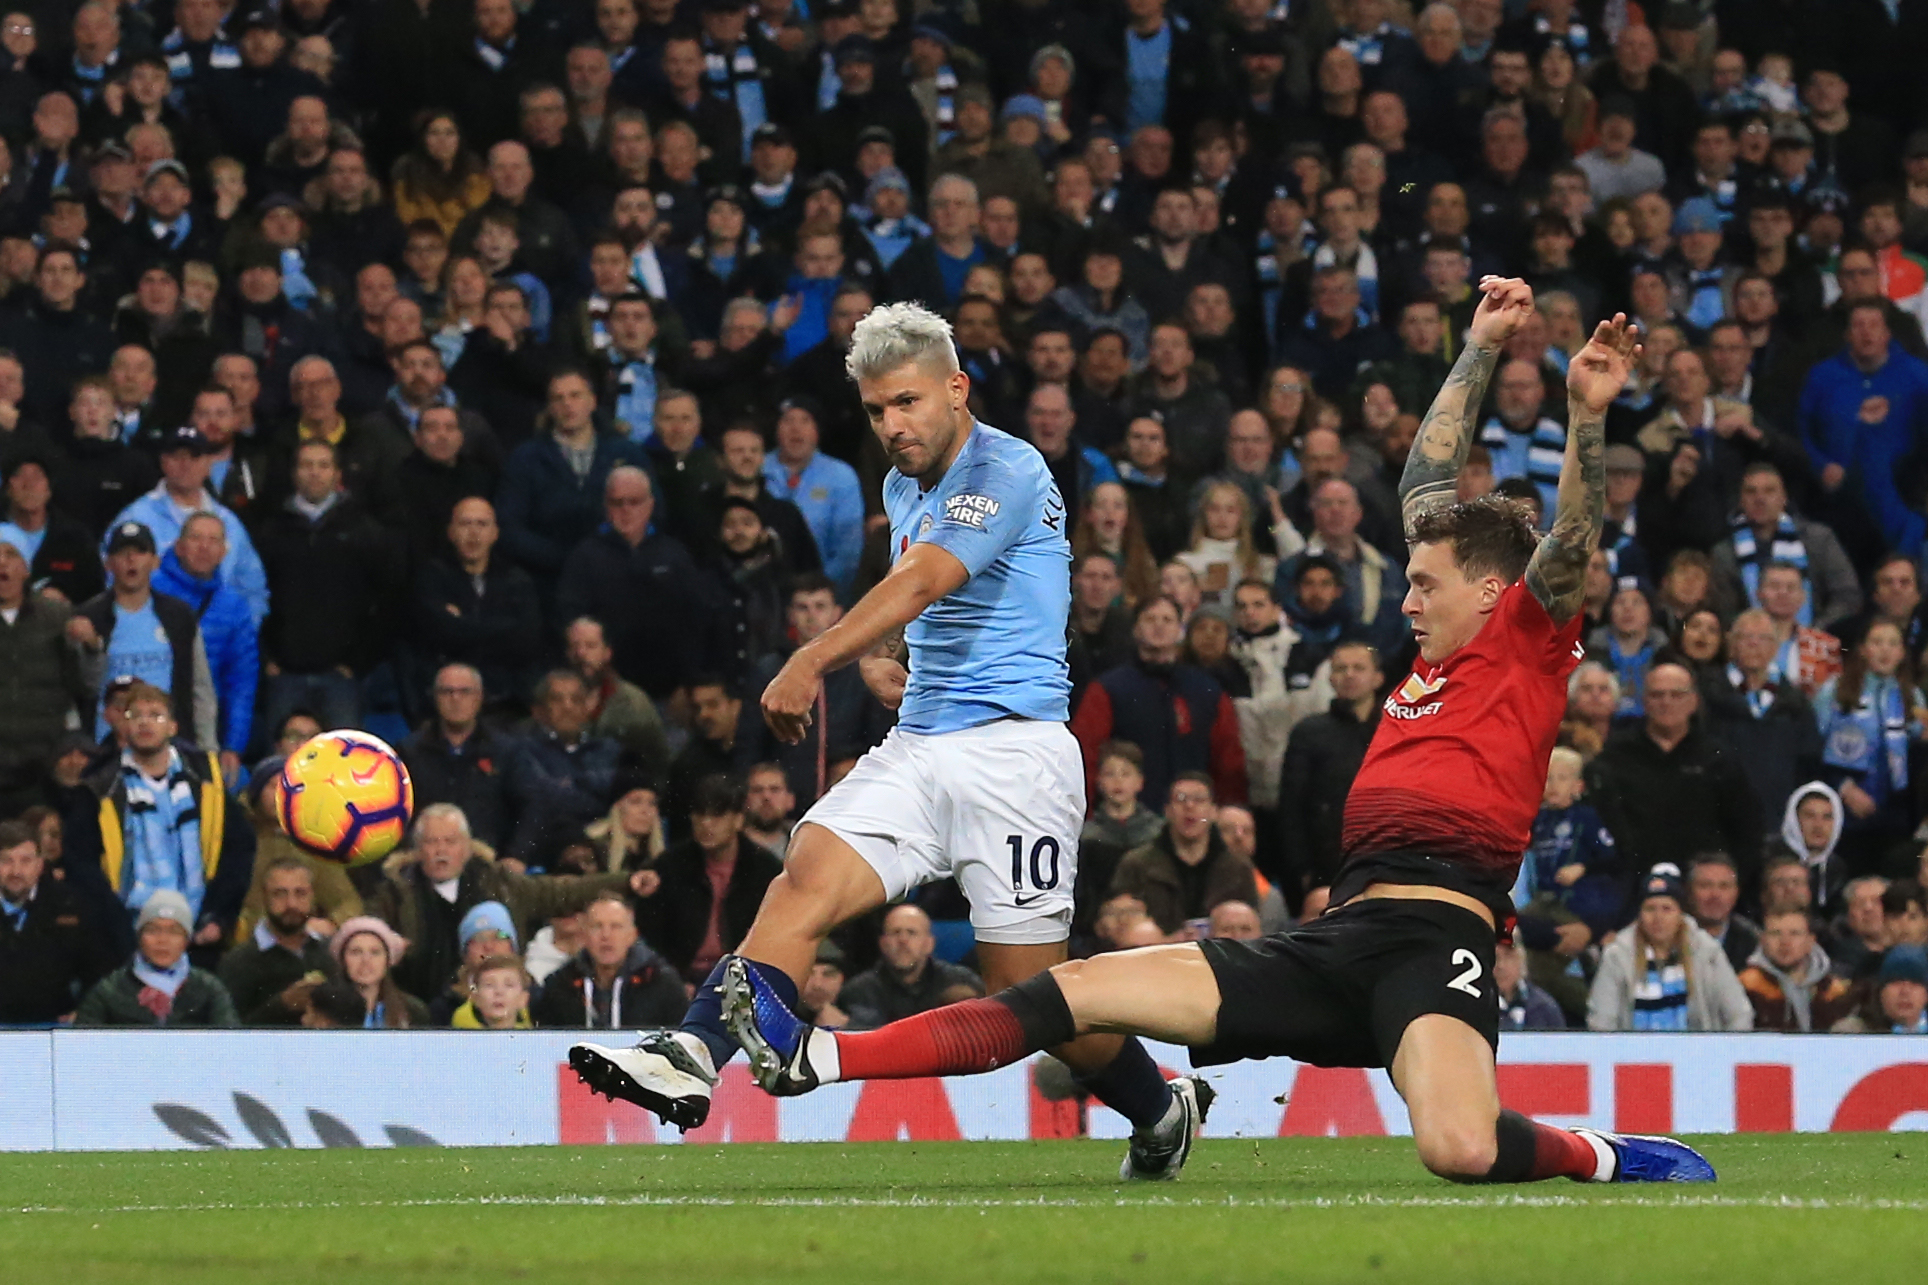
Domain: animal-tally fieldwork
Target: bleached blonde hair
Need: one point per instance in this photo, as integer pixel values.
(895, 334)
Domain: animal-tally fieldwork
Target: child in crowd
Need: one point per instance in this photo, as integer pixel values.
(501, 997)
(1120, 820)
(1570, 863)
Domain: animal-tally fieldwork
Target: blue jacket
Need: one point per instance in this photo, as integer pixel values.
(546, 510)
(231, 637)
(1832, 405)
(241, 570)
(832, 501)
(812, 325)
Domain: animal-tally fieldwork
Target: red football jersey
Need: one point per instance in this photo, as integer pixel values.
(1455, 773)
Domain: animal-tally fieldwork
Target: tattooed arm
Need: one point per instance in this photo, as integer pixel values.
(1557, 575)
(1439, 451)
(1432, 466)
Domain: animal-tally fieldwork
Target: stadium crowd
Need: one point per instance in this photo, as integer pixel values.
(472, 372)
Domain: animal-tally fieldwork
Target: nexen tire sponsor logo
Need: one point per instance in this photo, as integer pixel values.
(970, 510)
(1395, 710)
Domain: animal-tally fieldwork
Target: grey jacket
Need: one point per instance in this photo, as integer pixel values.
(1715, 1000)
(1834, 588)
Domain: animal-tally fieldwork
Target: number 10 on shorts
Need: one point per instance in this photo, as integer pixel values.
(1043, 877)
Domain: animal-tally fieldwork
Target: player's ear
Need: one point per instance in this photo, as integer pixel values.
(1490, 590)
(960, 385)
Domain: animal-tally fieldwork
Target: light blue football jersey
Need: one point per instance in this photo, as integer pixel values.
(995, 647)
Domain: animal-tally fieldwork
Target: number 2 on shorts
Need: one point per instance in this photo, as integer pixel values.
(1464, 982)
(1039, 878)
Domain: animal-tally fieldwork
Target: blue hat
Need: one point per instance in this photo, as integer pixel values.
(487, 916)
(926, 31)
(1903, 964)
(1023, 105)
(1697, 215)
(888, 177)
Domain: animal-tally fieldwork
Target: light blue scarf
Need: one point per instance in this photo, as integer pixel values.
(163, 834)
(1786, 547)
(1871, 735)
(165, 980)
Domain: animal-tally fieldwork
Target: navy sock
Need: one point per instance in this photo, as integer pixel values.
(704, 1019)
(1132, 1085)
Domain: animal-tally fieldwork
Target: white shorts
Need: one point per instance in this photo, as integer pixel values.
(998, 807)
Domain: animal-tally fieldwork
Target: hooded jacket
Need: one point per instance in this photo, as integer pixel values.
(646, 992)
(1826, 873)
(1814, 1003)
(1715, 999)
(1279, 701)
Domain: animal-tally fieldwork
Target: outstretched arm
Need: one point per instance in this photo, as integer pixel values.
(1557, 575)
(1432, 467)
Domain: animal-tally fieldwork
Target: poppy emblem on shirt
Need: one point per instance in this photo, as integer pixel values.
(903, 545)
(1181, 716)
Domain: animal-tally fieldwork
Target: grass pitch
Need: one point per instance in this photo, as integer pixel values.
(1801, 1208)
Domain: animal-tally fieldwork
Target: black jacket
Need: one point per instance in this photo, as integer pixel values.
(40, 686)
(497, 630)
(473, 777)
(338, 579)
(646, 992)
(99, 478)
(255, 979)
(1669, 805)
(1321, 759)
(1777, 751)
(662, 617)
(546, 510)
(56, 348)
(180, 625)
(51, 960)
(676, 919)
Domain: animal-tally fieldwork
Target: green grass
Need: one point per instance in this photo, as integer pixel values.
(1815, 1209)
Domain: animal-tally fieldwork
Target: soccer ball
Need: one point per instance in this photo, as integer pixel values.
(345, 797)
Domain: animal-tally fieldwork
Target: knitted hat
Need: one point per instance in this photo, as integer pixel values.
(392, 941)
(487, 916)
(169, 905)
(1903, 964)
(1664, 881)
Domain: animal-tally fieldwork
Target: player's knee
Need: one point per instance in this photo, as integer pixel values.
(1458, 1151)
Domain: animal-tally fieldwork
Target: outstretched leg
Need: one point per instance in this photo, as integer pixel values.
(1444, 1069)
(672, 1073)
(1162, 992)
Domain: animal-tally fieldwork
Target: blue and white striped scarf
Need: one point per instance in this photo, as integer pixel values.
(1660, 995)
(1785, 547)
(162, 833)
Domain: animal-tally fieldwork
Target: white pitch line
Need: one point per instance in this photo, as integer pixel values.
(1509, 1201)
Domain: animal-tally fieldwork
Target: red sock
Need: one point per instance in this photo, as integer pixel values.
(1562, 1153)
(959, 1039)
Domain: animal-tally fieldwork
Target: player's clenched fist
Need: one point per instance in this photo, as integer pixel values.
(790, 698)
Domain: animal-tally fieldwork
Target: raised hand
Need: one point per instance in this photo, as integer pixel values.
(1507, 304)
(1600, 370)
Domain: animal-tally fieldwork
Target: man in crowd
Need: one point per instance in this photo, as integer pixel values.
(909, 979)
(269, 975)
(615, 981)
(456, 758)
(50, 951)
(1188, 869)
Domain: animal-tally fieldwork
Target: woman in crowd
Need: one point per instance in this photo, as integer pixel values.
(438, 179)
(1109, 525)
(365, 949)
(1628, 643)
(1700, 642)
(465, 294)
(1687, 587)
(1558, 88)
(1664, 972)
(1099, 301)
(1870, 716)
(1222, 551)
(631, 837)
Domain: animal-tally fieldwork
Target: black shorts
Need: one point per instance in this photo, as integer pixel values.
(1341, 989)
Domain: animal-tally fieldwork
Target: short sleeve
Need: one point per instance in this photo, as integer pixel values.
(1532, 630)
(984, 514)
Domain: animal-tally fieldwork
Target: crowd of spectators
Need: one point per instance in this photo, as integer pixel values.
(472, 372)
